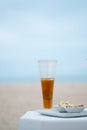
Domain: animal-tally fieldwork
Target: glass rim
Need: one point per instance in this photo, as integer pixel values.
(47, 61)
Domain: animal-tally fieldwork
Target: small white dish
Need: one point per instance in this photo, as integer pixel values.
(52, 112)
(74, 109)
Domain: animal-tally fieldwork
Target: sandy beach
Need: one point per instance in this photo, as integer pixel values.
(16, 99)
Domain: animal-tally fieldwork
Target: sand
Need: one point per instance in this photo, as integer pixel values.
(16, 99)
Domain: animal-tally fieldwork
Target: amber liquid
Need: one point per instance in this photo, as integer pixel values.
(47, 91)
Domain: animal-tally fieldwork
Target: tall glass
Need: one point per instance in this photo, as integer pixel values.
(47, 76)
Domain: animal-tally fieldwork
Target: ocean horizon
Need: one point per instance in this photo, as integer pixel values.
(28, 79)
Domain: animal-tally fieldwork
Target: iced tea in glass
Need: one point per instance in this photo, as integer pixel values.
(47, 77)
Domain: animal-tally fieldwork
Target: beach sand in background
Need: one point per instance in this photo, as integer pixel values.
(17, 99)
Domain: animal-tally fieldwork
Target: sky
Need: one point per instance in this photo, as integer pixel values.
(31, 30)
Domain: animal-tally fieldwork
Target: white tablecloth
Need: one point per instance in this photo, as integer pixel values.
(32, 120)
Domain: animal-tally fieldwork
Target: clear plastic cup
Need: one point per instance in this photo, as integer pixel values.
(47, 76)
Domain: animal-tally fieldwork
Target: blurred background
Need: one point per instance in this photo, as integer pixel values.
(51, 29)
(31, 30)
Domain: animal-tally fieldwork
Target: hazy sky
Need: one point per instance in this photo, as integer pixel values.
(43, 29)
